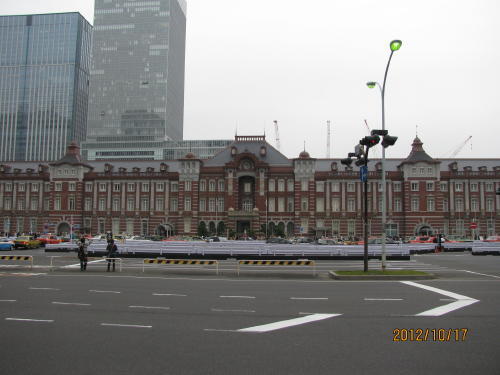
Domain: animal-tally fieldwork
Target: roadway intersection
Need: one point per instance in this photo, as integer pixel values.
(190, 322)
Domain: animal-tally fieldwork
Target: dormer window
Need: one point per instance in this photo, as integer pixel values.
(136, 169)
(150, 169)
(263, 151)
(234, 151)
(108, 168)
(122, 170)
(163, 167)
(334, 167)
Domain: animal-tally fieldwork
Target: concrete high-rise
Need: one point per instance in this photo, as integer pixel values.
(44, 73)
(137, 76)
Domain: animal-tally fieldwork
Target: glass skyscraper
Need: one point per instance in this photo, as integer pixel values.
(44, 76)
(137, 75)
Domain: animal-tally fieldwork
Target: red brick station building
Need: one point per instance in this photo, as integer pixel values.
(245, 187)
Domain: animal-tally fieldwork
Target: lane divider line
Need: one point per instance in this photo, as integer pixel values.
(228, 310)
(30, 320)
(482, 274)
(72, 303)
(287, 323)
(103, 291)
(248, 297)
(8, 300)
(460, 300)
(309, 298)
(169, 294)
(150, 307)
(32, 288)
(124, 325)
(383, 299)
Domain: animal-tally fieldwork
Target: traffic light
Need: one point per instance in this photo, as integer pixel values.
(379, 132)
(370, 140)
(347, 162)
(388, 140)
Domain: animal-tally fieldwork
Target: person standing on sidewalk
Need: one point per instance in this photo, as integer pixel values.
(112, 251)
(83, 254)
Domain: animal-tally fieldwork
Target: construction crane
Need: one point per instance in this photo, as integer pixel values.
(459, 148)
(328, 139)
(277, 135)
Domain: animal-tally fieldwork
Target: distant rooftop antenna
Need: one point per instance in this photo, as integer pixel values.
(277, 134)
(328, 139)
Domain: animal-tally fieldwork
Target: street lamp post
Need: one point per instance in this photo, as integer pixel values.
(394, 46)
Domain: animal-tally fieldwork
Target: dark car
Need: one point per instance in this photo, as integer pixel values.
(278, 240)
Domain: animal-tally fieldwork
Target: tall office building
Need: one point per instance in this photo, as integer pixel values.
(44, 72)
(137, 76)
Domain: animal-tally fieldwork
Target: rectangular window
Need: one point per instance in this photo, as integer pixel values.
(145, 187)
(304, 184)
(116, 186)
(220, 204)
(459, 227)
(57, 203)
(130, 226)
(429, 186)
(489, 186)
(21, 187)
(173, 204)
(335, 187)
(474, 205)
(335, 204)
(473, 186)
(247, 187)
(430, 170)
(415, 204)
(33, 224)
(351, 205)
(115, 225)
(72, 186)
(290, 184)
(102, 186)
(8, 204)
(203, 205)
(320, 204)
(160, 202)
(34, 187)
(459, 205)
(351, 228)
(489, 205)
(8, 186)
(336, 227)
(116, 204)
(71, 203)
(100, 226)
(130, 187)
(290, 205)
(58, 186)
(88, 204)
(102, 204)
(20, 204)
(221, 185)
(46, 204)
(187, 185)
(422, 171)
(430, 204)
(89, 186)
(397, 205)
(320, 186)
(414, 186)
(271, 204)
(272, 185)
(144, 204)
(443, 186)
(304, 205)
(350, 187)
(160, 186)
(187, 204)
(203, 185)
(490, 227)
(130, 204)
(459, 186)
(34, 204)
(211, 185)
(187, 224)
(445, 205)
(211, 205)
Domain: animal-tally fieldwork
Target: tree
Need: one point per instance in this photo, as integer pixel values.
(202, 229)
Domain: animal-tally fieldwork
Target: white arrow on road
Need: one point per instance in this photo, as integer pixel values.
(461, 301)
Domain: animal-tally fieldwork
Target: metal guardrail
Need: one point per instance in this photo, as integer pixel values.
(199, 262)
(295, 263)
(26, 258)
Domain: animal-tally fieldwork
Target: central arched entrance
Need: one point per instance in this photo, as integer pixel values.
(63, 229)
(424, 230)
(164, 230)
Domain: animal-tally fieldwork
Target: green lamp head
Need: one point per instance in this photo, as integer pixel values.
(371, 84)
(395, 45)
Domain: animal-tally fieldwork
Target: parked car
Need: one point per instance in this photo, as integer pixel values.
(426, 239)
(6, 243)
(278, 240)
(27, 242)
(48, 239)
(492, 239)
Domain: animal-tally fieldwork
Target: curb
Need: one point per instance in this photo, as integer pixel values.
(334, 276)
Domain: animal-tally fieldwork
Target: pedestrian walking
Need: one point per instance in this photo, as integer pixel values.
(83, 254)
(112, 251)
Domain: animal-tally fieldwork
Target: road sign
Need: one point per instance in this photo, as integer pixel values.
(473, 225)
(363, 173)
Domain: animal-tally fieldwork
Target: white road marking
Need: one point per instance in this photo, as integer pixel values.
(72, 303)
(124, 325)
(482, 274)
(169, 294)
(77, 265)
(461, 301)
(44, 288)
(30, 320)
(219, 330)
(150, 307)
(288, 323)
(104, 291)
(227, 310)
(309, 298)
(250, 297)
(8, 300)
(383, 299)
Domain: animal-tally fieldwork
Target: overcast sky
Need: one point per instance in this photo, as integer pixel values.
(249, 62)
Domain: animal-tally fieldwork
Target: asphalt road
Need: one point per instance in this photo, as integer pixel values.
(194, 322)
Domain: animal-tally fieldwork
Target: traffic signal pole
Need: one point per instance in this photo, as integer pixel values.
(365, 216)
